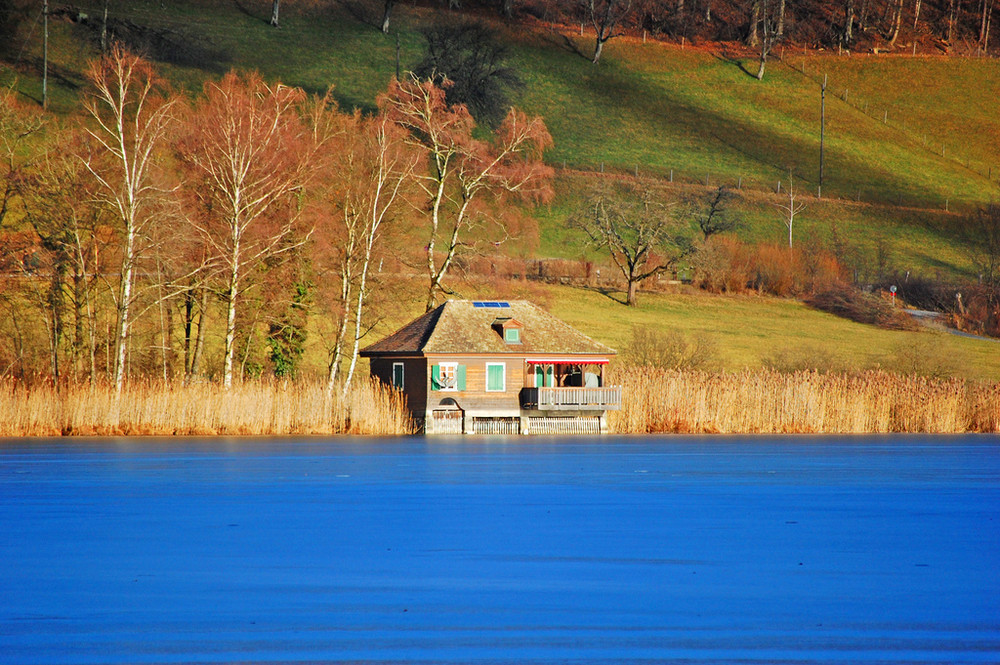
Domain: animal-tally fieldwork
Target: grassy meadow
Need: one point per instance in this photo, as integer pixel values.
(655, 106)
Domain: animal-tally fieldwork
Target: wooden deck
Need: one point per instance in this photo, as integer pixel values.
(572, 399)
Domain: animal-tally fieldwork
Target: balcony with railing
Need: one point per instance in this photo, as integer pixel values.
(607, 398)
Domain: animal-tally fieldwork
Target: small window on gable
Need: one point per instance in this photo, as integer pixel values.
(397, 375)
(512, 335)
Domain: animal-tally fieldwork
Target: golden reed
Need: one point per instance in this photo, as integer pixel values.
(757, 401)
(763, 401)
(156, 408)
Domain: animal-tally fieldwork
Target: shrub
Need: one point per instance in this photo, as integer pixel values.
(668, 349)
(723, 265)
(853, 304)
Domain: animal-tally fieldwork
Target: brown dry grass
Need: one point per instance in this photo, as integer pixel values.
(764, 401)
(753, 401)
(253, 408)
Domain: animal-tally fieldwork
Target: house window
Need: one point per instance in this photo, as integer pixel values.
(397, 375)
(447, 376)
(496, 377)
(512, 335)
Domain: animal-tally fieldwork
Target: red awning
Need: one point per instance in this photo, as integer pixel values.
(566, 361)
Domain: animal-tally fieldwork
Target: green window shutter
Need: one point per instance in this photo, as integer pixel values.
(461, 377)
(495, 378)
(539, 376)
(435, 377)
(550, 377)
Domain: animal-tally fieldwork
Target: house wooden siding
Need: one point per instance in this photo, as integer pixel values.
(415, 384)
(475, 397)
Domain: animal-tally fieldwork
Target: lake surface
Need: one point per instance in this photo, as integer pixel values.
(613, 550)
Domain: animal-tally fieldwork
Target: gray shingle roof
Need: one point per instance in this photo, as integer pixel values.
(458, 327)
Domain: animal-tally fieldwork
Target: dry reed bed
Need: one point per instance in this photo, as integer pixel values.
(762, 401)
(654, 401)
(253, 408)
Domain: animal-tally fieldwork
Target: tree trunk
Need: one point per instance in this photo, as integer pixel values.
(231, 294)
(760, 68)
(386, 15)
(274, 12)
(188, 331)
(79, 294)
(916, 15)
(199, 345)
(598, 47)
(633, 285)
(55, 307)
(753, 36)
(124, 309)
(780, 31)
(848, 35)
(358, 314)
(863, 17)
(984, 26)
(951, 21)
(896, 23)
(346, 280)
(507, 8)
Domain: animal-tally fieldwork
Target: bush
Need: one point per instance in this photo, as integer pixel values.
(668, 349)
(723, 265)
(922, 358)
(851, 303)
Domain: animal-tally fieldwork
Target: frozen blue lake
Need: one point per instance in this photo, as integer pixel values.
(615, 550)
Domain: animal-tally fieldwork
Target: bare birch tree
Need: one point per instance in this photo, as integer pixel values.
(790, 207)
(132, 115)
(247, 149)
(371, 166)
(462, 170)
(383, 164)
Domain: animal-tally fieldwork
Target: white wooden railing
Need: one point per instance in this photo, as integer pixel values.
(565, 399)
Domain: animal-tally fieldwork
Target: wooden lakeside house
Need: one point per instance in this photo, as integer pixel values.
(497, 367)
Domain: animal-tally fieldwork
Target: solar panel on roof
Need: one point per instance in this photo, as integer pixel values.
(490, 304)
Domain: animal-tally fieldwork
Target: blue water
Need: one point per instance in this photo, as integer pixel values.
(631, 550)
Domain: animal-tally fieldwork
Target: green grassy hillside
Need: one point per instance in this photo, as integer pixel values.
(654, 106)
